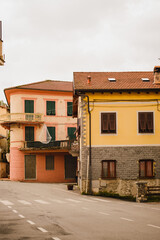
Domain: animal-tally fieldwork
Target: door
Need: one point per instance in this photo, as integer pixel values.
(30, 166)
(70, 167)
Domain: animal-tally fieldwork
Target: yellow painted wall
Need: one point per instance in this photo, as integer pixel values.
(127, 118)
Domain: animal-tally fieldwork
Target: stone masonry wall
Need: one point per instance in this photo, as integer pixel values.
(127, 167)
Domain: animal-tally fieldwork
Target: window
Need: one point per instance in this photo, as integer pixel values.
(108, 122)
(50, 108)
(51, 131)
(108, 169)
(29, 133)
(145, 168)
(145, 121)
(69, 108)
(29, 106)
(71, 133)
(49, 162)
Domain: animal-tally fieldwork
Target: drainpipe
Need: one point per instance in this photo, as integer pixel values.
(90, 156)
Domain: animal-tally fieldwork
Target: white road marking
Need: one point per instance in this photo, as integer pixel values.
(6, 202)
(21, 216)
(150, 225)
(88, 200)
(84, 208)
(9, 207)
(57, 201)
(41, 201)
(156, 209)
(24, 202)
(104, 213)
(15, 211)
(102, 200)
(30, 222)
(127, 219)
(72, 200)
(42, 229)
(56, 238)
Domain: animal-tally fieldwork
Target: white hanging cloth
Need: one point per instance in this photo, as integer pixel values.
(44, 136)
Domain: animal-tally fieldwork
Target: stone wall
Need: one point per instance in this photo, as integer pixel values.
(127, 167)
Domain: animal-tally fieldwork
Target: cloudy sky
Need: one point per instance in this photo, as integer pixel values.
(51, 39)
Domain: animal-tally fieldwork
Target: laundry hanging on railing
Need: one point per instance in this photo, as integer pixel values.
(44, 136)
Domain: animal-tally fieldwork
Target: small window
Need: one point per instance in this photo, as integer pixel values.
(50, 108)
(108, 169)
(29, 106)
(112, 79)
(108, 122)
(145, 120)
(145, 79)
(69, 108)
(146, 168)
(49, 162)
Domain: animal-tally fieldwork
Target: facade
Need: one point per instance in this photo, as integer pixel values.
(41, 130)
(119, 131)
(1, 42)
(4, 165)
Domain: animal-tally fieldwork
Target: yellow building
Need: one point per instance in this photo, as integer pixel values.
(119, 130)
(1, 55)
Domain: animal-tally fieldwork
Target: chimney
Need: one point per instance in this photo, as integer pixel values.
(88, 79)
(157, 75)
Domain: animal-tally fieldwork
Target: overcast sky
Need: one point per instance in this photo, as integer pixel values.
(51, 39)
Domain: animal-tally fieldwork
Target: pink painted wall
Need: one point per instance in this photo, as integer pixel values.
(17, 169)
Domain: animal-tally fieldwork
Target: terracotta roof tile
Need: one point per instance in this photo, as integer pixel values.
(124, 81)
(50, 85)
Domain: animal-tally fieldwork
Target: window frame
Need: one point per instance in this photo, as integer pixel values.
(108, 167)
(145, 161)
(49, 169)
(138, 128)
(116, 119)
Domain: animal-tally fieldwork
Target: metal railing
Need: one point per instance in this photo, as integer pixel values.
(18, 117)
(63, 144)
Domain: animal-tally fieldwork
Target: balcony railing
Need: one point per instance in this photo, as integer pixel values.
(22, 117)
(63, 144)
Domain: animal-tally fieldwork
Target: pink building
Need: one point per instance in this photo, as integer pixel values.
(41, 130)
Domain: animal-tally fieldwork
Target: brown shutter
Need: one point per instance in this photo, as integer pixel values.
(104, 169)
(112, 121)
(142, 168)
(150, 121)
(149, 166)
(104, 122)
(112, 169)
(142, 121)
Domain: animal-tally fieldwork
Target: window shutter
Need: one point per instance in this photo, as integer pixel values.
(29, 133)
(29, 106)
(71, 132)
(69, 108)
(51, 108)
(112, 121)
(150, 121)
(51, 131)
(49, 162)
(112, 169)
(104, 122)
(149, 170)
(142, 121)
(105, 169)
(142, 168)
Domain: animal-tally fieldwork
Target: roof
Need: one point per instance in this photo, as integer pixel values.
(124, 81)
(47, 85)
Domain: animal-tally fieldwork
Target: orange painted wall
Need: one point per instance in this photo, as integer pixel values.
(17, 168)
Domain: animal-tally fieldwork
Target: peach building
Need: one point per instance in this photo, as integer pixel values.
(41, 131)
(1, 42)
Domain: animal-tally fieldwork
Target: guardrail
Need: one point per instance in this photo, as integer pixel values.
(63, 144)
(18, 117)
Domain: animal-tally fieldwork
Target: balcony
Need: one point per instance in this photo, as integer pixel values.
(59, 146)
(21, 118)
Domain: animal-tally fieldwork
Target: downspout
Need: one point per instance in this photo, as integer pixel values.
(90, 156)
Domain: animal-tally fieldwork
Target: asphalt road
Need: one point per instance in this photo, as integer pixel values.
(50, 211)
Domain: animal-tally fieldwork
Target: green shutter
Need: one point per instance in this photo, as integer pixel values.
(51, 108)
(29, 133)
(69, 108)
(51, 131)
(71, 131)
(29, 106)
(49, 162)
